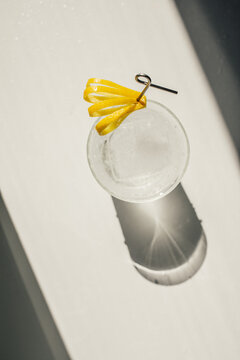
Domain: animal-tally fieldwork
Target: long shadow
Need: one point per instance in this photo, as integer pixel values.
(27, 328)
(214, 29)
(165, 238)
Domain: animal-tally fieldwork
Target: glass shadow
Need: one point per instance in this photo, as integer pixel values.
(165, 238)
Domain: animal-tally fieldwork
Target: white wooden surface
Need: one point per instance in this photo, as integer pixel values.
(104, 309)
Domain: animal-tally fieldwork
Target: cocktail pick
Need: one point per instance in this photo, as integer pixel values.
(115, 101)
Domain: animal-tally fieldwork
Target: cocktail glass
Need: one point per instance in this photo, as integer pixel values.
(144, 158)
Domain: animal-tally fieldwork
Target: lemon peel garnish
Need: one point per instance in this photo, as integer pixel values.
(111, 99)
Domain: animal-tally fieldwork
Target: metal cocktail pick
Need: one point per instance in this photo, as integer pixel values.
(149, 83)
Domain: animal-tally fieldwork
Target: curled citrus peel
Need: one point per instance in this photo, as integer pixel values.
(113, 100)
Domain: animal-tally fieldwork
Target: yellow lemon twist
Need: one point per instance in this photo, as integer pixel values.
(113, 100)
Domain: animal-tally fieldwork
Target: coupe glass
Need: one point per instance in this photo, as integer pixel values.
(144, 158)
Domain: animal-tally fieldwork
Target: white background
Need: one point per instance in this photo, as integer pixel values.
(67, 224)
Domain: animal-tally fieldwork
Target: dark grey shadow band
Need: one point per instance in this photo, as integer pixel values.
(27, 329)
(214, 29)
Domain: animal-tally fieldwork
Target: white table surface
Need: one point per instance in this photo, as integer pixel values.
(67, 224)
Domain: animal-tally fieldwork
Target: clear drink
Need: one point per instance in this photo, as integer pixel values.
(144, 158)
